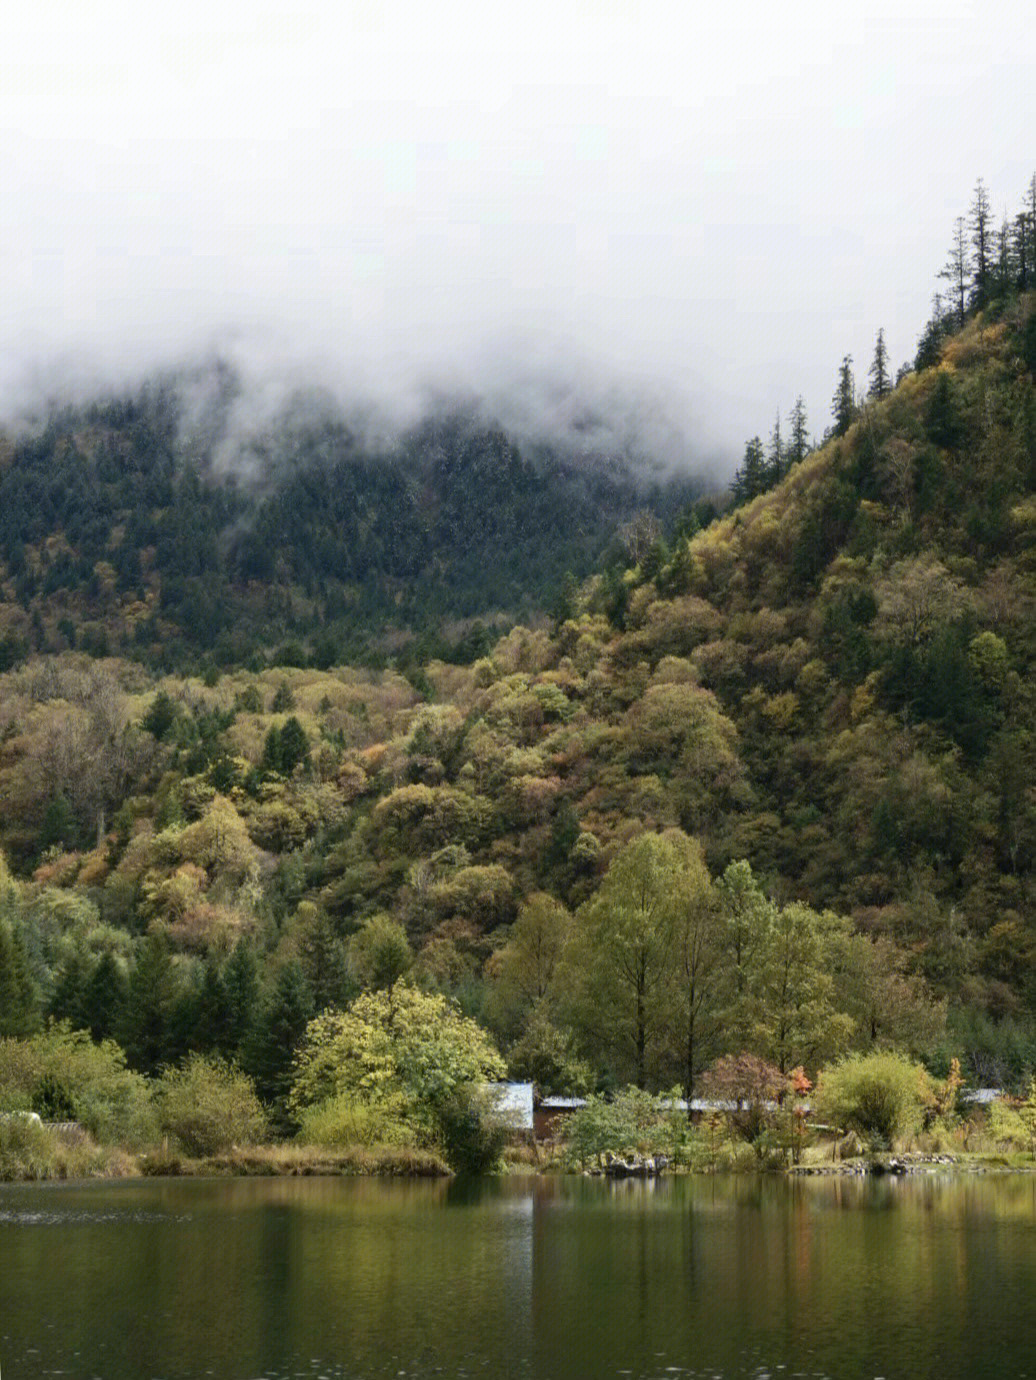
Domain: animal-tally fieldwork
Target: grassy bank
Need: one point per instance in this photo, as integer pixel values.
(290, 1160)
(46, 1160)
(33, 1152)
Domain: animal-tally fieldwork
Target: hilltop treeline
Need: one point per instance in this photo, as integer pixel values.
(988, 267)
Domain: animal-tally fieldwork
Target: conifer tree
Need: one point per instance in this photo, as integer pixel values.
(59, 826)
(1003, 274)
(942, 424)
(881, 384)
(271, 758)
(957, 269)
(285, 748)
(843, 405)
(928, 346)
(775, 464)
(322, 956)
(104, 999)
(150, 998)
(19, 1013)
(241, 979)
(294, 746)
(1022, 252)
(753, 469)
(980, 224)
(270, 1049)
(213, 1017)
(182, 1034)
(70, 983)
(798, 439)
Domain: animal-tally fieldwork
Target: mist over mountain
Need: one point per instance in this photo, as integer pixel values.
(244, 392)
(222, 513)
(393, 203)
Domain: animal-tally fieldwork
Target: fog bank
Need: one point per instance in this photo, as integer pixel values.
(645, 226)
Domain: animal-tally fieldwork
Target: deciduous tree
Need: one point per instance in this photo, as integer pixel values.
(395, 1044)
(622, 957)
(524, 971)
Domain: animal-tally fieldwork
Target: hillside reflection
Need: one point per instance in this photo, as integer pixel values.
(535, 1277)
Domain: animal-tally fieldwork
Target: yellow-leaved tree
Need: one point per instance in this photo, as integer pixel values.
(406, 1050)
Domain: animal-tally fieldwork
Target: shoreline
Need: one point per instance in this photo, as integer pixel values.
(392, 1162)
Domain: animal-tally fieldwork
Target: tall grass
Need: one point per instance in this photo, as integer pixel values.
(31, 1151)
(294, 1160)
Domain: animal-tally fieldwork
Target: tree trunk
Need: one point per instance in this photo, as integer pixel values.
(641, 1036)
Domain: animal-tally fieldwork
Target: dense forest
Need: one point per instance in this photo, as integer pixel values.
(133, 527)
(766, 790)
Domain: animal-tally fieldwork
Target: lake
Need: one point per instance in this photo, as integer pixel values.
(550, 1279)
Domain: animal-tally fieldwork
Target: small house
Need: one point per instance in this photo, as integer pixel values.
(550, 1113)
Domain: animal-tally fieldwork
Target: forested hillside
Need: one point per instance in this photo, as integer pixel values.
(771, 790)
(126, 529)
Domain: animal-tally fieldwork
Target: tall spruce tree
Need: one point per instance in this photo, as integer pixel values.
(957, 270)
(843, 405)
(930, 344)
(70, 983)
(241, 979)
(104, 999)
(980, 223)
(150, 999)
(798, 433)
(753, 469)
(775, 462)
(1022, 252)
(881, 384)
(269, 1051)
(322, 956)
(1003, 266)
(19, 998)
(213, 1016)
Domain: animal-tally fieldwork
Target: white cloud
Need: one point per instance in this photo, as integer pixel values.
(720, 205)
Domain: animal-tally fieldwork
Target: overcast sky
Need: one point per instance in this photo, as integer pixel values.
(706, 210)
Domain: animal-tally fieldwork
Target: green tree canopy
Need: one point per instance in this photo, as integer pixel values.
(622, 960)
(394, 1044)
(525, 971)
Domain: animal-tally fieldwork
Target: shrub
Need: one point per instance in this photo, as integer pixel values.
(753, 1087)
(345, 1120)
(472, 1134)
(633, 1122)
(209, 1106)
(27, 1148)
(1005, 1129)
(1027, 1113)
(62, 1074)
(881, 1096)
(30, 1150)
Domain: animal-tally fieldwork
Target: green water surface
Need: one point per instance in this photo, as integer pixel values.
(551, 1279)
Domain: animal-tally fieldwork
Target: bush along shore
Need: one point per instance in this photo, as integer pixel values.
(399, 1085)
